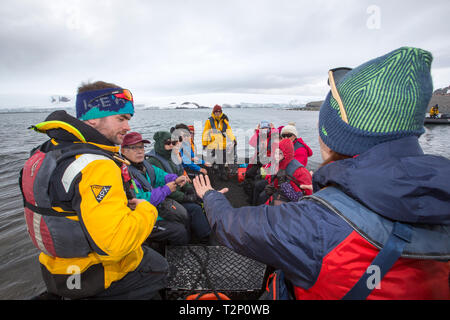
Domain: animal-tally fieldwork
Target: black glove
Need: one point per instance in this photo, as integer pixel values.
(189, 189)
(190, 197)
(270, 189)
(281, 176)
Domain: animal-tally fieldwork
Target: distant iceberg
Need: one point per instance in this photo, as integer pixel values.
(41, 103)
(59, 99)
(34, 102)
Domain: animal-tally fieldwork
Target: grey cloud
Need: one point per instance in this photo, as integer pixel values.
(184, 47)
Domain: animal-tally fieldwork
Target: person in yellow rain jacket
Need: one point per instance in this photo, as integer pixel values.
(434, 111)
(219, 141)
(89, 230)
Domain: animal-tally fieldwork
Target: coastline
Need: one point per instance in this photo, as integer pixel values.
(310, 106)
(443, 101)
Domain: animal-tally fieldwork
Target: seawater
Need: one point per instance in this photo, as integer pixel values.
(20, 276)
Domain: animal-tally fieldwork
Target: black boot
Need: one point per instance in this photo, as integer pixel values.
(209, 240)
(213, 240)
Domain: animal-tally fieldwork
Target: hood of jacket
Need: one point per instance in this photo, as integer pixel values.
(221, 117)
(64, 128)
(396, 180)
(160, 137)
(309, 152)
(287, 147)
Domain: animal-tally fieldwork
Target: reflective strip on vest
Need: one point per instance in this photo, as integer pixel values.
(77, 166)
(37, 232)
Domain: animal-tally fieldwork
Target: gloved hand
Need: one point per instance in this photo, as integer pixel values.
(288, 191)
(270, 189)
(189, 189)
(281, 178)
(192, 197)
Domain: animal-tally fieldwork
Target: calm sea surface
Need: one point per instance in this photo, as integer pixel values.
(20, 276)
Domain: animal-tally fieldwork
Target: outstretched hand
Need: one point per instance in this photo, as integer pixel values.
(202, 185)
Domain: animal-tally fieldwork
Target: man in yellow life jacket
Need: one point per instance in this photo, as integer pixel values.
(89, 230)
(219, 141)
(434, 111)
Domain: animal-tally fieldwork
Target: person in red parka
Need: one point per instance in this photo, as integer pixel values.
(291, 179)
(301, 150)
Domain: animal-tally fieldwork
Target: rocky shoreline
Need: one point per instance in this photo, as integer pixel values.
(313, 105)
(443, 101)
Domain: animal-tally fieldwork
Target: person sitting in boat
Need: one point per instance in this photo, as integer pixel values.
(166, 156)
(380, 216)
(434, 111)
(262, 140)
(301, 150)
(219, 142)
(288, 184)
(191, 163)
(90, 233)
(155, 185)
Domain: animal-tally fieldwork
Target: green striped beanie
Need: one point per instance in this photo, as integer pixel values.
(385, 99)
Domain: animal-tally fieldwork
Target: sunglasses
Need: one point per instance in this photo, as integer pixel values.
(170, 142)
(121, 94)
(287, 135)
(334, 77)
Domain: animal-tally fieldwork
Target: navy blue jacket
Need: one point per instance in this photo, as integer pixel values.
(394, 179)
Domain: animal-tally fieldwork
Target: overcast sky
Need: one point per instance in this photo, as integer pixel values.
(173, 48)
